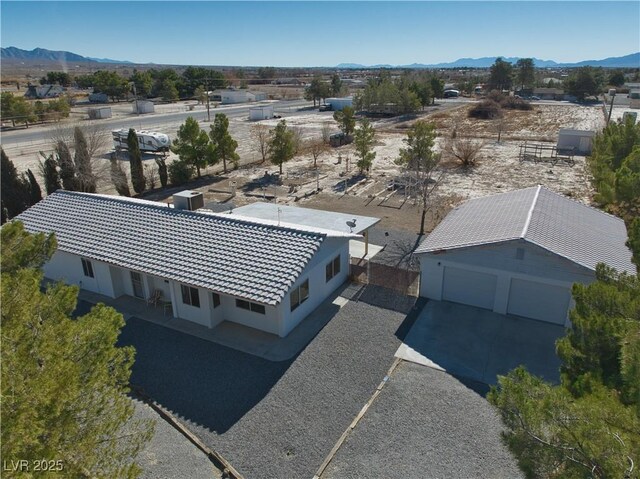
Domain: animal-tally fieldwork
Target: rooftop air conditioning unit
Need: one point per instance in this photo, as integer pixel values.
(188, 200)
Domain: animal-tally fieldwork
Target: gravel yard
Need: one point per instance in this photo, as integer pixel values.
(425, 424)
(169, 454)
(270, 420)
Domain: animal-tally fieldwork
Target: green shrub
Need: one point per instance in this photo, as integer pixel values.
(180, 172)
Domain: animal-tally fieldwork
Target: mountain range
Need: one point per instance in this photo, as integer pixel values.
(13, 53)
(627, 61)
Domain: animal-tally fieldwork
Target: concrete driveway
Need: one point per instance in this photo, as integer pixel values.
(477, 344)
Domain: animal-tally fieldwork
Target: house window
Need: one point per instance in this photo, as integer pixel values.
(216, 300)
(299, 295)
(190, 296)
(333, 268)
(249, 306)
(87, 268)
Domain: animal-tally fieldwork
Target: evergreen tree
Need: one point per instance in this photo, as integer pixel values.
(224, 145)
(346, 120)
(68, 175)
(525, 72)
(15, 192)
(84, 172)
(162, 171)
(64, 380)
(336, 85)
(119, 177)
(135, 162)
(193, 146)
(364, 138)
(49, 170)
(500, 75)
(584, 82)
(35, 193)
(281, 144)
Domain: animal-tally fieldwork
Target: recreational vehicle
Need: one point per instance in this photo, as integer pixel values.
(149, 141)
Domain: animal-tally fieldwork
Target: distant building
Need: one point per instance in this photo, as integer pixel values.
(98, 98)
(338, 104)
(100, 113)
(43, 91)
(578, 142)
(261, 113)
(549, 93)
(230, 96)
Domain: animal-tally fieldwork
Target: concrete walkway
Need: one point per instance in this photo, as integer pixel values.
(235, 336)
(478, 344)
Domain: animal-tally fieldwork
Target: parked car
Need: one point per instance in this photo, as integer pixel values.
(326, 107)
(535, 98)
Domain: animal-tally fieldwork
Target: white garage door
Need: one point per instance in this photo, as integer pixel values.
(469, 287)
(539, 301)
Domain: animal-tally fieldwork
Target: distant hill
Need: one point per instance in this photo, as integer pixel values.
(627, 61)
(42, 54)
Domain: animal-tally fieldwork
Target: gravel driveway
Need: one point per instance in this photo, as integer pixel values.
(425, 424)
(269, 420)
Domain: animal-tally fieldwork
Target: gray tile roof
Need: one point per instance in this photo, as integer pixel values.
(554, 222)
(231, 256)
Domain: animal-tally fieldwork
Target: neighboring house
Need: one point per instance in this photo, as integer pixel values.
(207, 267)
(519, 253)
(549, 93)
(230, 95)
(43, 91)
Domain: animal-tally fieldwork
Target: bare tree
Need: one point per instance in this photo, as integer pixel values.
(151, 176)
(326, 132)
(260, 137)
(97, 143)
(464, 149)
(421, 163)
(316, 147)
(298, 144)
(500, 125)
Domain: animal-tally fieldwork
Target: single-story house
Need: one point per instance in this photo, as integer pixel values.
(520, 253)
(43, 91)
(549, 93)
(206, 267)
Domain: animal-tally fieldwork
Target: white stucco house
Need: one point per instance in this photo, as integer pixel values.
(207, 268)
(520, 252)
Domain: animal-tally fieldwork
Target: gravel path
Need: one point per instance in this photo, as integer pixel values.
(169, 454)
(270, 420)
(425, 424)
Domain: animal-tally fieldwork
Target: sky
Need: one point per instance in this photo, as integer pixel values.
(311, 33)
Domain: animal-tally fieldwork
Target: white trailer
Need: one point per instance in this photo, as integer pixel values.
(338, 104)
(149, 141)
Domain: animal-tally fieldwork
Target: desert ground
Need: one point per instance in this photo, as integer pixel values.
(337, 184)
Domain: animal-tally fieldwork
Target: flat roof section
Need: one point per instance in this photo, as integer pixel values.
(328, 220)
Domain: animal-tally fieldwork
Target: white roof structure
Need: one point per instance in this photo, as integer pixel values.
(579, 233)
(254, 260)
(318, 220)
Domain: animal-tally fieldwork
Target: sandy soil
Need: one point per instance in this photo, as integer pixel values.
(344, 189)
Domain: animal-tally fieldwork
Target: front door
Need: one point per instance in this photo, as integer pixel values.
(136, 282)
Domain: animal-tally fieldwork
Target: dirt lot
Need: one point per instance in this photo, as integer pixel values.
(344, 189)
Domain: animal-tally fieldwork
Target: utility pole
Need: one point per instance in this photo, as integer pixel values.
(135, 96)
(613, 96)
(208, 86)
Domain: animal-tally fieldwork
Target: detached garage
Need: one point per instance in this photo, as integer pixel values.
(519, 253)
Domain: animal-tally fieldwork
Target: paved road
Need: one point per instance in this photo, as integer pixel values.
(42, 133)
